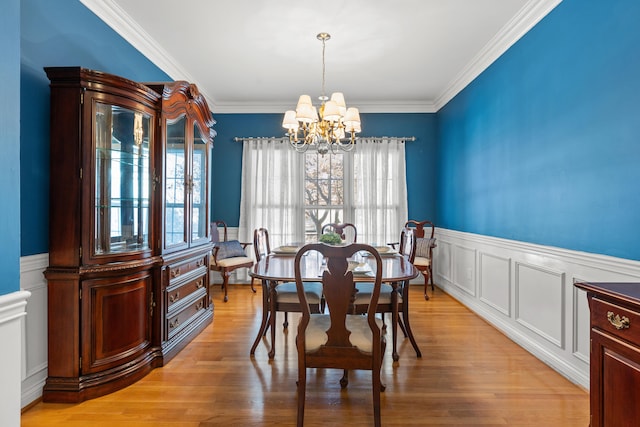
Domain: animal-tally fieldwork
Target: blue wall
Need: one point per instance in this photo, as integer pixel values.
(9, 141)
(544, 146)
(421, 157)
(59, 33)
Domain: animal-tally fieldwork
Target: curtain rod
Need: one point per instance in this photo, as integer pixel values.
(286, 138)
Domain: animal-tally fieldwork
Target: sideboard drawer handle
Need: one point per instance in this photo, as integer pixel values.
(617, 321)
(175, 297)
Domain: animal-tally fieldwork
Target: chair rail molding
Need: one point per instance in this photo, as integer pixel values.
(526, 291)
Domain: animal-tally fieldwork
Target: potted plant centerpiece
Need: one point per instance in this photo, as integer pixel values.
(331, 239)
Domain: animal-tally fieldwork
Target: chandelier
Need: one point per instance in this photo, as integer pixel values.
(326, 127)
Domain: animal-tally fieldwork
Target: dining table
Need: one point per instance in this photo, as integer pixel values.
(278, 267)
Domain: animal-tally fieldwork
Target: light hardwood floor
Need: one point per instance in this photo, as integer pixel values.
(470, 375)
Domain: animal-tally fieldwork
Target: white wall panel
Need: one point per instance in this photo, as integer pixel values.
(442, 263)
(581, 325)
(495, 282)
(464, 268)
(34, 327)
(540, 301)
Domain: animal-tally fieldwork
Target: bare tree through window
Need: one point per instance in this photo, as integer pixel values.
(323, 192)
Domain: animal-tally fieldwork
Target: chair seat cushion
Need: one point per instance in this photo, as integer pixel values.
(232, 262)
(286, 292)
(421, 262)
(363, 296)
(360, 337)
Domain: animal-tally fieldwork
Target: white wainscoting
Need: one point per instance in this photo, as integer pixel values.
(526, 291)
(34, 327)
(12, 314)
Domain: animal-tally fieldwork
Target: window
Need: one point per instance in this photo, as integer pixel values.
(324, 195)
(293, 195)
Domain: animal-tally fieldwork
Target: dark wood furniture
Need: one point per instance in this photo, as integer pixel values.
(425, 242)
(343, 230)
(281, 296)
(615, 353)
(223, 264)
(181, 215)
(339, 339)
(279, 267)
(394, 298)
(113, 295)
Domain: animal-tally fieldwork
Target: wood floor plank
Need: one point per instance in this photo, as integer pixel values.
(470, 375)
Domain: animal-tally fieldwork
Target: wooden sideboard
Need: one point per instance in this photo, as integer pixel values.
(615, 353)
(129, 240)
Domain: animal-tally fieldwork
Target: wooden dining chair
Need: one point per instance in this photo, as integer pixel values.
(339, 339)
(228, 255)
(281, 296)
(344, 230)
(393, 297)
(425, 242)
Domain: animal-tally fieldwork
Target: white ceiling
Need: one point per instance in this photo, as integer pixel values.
(386, 56)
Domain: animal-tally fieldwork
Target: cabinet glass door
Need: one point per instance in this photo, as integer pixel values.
(199, 187)
(175, 179)
(122, 179)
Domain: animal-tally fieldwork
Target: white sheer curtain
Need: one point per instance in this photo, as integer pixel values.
(379, 199)
(272, 192)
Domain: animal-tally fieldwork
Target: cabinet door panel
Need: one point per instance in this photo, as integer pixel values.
(615, 382)
(175, 184)
(117, 327)
(122, 161)
(199, 188)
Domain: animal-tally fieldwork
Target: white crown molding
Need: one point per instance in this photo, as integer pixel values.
(530, 14)
(533, 11)
(364, 107)
(115, 17)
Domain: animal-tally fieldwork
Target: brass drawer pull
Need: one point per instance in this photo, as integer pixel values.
(199, 284)
(199, 305)
(175, 272)
(174, 323)
(175, 297)
(617, 321)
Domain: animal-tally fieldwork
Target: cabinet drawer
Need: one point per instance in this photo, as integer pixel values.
(180, 320)
(617, 320)
(178, 270)
(182, 291)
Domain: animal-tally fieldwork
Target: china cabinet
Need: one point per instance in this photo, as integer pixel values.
(615, 353)
(126, 289)
(184, 157)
